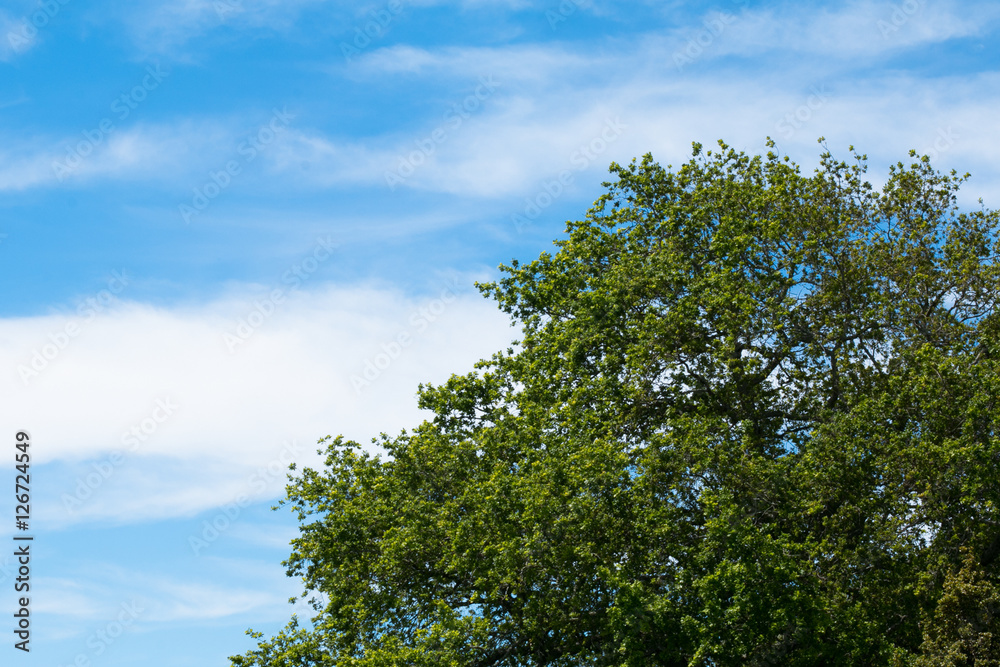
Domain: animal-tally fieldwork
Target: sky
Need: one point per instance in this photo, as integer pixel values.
(229, 228)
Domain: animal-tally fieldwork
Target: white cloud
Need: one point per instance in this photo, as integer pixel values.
(324, 362)
(167, 27)
(266, 535)
(126, 154)
(525, 132)
(66, 597)
(18, 172)
(166, 154)
(177, 600)
(840, 36)
(17, 35)
(100, 597)
(164, 26)
(845, 33)
(518, 63)
(203, 590)
(551, 102)
(523, 137)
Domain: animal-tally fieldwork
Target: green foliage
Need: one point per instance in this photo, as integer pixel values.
(752, 420)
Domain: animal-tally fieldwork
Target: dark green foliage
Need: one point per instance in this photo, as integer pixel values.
(752, 420)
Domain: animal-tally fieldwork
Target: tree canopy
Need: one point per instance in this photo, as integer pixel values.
(751, 420)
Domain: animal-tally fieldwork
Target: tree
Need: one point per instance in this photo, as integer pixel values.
(752, 420)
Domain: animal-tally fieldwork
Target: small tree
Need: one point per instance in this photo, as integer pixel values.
(752, 419)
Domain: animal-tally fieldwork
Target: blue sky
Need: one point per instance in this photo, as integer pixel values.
(231, 227)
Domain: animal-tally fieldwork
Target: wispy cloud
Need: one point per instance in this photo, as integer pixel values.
(163, 27)
(845, 32)
(527, 136)
(141, 152)
(171, 155)
(221, 588)
(840, 34)
(18, 34)
(167, 27)
(524, 134)
(529, 62)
